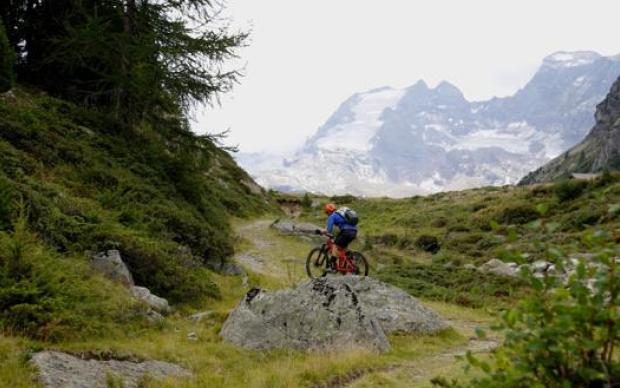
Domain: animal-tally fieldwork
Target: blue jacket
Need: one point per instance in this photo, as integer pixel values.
(339, 221)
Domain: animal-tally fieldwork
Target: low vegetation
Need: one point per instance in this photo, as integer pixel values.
(73, 183)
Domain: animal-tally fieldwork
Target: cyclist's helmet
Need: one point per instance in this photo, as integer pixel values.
(330, 208)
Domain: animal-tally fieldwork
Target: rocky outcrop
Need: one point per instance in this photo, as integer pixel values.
(289, 227)
(598, 151)
(57, 369)
(328, 313)
(111, 265)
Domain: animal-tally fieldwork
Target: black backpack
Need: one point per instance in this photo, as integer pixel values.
(349, 215)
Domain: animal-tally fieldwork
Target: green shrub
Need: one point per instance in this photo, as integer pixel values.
(48, 297)
(343, 199)
(518, 214)
(569, 189)
(562, 335)
(428, 243)
(7, 61)
(7, 201)
(439, 222)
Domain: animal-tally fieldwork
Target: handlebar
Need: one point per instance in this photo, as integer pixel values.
(321, 232)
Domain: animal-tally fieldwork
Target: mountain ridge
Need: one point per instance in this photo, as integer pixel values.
(420, 140)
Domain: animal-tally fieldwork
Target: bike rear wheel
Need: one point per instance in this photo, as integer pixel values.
(361, 264)
(316, 263)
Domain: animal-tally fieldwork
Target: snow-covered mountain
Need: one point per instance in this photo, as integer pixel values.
(419, 140)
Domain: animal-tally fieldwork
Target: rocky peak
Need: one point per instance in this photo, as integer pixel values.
(570, 59)
(599, 150)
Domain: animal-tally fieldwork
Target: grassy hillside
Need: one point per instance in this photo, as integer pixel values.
(72, 181)
(473, 226)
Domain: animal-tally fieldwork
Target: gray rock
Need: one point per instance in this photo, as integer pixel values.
(493, 263)
(470, 266)
(397, 311)
(153, 301)
(200, 316)
(328, 313)
(498, 267)
(192, 336)
(57, 369)
(540, 266)
(112, 266)
(292, 228)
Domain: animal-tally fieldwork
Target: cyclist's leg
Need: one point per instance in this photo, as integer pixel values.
(342, 241)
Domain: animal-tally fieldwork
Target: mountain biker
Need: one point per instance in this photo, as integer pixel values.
(346, 231)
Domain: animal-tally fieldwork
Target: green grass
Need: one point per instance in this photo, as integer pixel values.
(15, 372)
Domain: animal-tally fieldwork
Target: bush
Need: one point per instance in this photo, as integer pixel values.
(562, 335)
(7, 200)
(569, 189)
(343, 199)
(518, 214)
(49, 297)
(439, 222)
(7, 61)
(428, 243)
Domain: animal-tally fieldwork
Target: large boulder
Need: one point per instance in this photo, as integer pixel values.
(397, 311)
(110, 264)
(57, 369)
(328, 313)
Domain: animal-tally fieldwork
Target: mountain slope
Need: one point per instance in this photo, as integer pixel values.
(420, 140)
(599, 150)
(74, 181)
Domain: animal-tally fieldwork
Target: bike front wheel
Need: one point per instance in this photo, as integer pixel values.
(360, 263)
(316, 263)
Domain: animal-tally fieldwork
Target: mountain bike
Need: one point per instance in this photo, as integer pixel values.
(319, 262)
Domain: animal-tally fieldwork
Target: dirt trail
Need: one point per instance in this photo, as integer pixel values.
(265, 252)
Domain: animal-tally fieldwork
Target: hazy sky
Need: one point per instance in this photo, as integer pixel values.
(307, 57)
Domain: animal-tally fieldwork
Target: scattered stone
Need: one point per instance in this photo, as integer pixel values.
(155, 302)
(540, 266)
(328, 313)
(192, 336)
(498, 267)
(112, 266)
(470, 266)
(200, 316)
(57, 369)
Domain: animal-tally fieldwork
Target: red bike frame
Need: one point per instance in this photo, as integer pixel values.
(344, 264)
